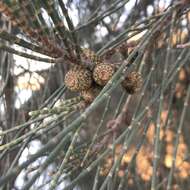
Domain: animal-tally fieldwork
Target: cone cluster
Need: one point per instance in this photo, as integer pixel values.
(90, 82)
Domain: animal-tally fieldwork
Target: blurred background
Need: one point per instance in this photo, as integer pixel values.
(33, 35)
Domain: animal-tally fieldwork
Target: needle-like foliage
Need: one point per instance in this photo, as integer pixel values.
(94, 94)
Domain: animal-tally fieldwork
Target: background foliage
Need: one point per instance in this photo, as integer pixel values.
(51, 139)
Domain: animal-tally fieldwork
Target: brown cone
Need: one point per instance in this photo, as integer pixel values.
(90, 56)
(78, 79)
(132, 82)
(102, 73)
(90, 94)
